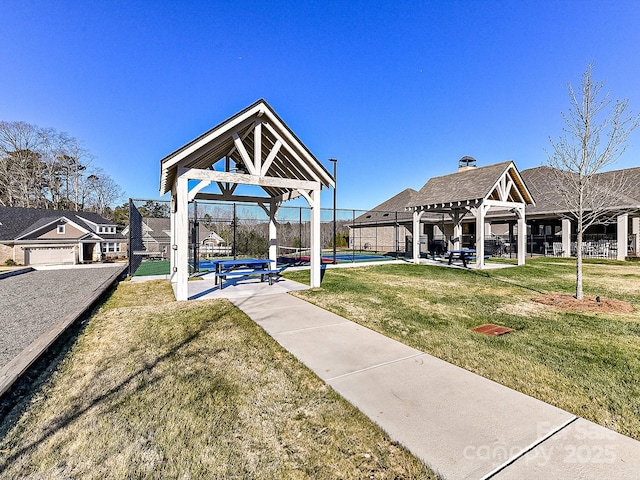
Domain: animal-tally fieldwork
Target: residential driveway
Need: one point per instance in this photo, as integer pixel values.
(33, 302)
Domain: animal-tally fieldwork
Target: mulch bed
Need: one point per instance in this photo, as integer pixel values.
(587, 304)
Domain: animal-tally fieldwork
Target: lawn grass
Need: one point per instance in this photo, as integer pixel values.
(585, 363)
(155, 388)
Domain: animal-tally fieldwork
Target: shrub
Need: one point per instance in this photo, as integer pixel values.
(9, 262)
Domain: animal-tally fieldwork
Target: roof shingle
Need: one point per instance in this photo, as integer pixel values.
(17, 221)
(471, 184)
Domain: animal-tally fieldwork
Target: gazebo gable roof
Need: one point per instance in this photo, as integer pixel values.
(253, 142)
(500, 182)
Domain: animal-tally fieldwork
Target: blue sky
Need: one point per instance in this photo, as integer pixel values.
(397, 91)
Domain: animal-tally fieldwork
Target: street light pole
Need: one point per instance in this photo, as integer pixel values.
(335, 179)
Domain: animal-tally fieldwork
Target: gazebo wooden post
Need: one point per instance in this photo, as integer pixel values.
(457, 230)
(172, 235)
(315, 254)
(273, 231)
(480, 213)
(182, 238)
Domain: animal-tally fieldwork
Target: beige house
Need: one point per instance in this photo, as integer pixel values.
(156, 239)
(31, 236)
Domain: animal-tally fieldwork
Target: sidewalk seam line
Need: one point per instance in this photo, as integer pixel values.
(312, 328)
(271, 309)
(375, 366)
(524, 451)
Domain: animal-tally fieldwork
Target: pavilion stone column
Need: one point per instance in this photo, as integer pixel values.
(480, 213)
(622, 234)
(522, 236)
(566, 237)
(635, 230)
(511, 225)
(416, 235)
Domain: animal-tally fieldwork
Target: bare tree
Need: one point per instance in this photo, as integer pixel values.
(20, 174)
(101, 191)
(596, 131)
(44, 168)
(76, 161)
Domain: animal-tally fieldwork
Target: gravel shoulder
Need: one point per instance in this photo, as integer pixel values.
(32, 302)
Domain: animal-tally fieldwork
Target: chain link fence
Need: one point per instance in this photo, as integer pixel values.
(219, 230)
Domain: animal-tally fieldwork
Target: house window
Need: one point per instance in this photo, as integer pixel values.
(110, 247)
(60, 229)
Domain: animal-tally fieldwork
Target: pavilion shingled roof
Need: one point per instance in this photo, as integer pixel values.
(541, 181)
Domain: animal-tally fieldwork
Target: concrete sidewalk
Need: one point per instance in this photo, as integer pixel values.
(460, 424)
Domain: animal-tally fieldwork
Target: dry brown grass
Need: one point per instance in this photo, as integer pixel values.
(159, 389)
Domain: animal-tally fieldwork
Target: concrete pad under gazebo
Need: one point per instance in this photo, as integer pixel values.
(254, 147)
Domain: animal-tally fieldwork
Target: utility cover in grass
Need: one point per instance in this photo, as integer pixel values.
(491, 329)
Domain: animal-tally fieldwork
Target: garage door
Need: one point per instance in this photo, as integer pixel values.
(49, 255)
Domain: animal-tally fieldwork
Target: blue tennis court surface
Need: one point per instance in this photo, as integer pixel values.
(340, 258)
(348, 257)
(208, 264)
(304, 260)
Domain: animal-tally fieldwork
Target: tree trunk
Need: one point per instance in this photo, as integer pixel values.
(579, 233)
(579, 293)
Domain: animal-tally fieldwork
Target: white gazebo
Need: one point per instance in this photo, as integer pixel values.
(473, 191)
(254, 147)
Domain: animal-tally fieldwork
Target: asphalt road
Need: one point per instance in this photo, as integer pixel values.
(32, 302)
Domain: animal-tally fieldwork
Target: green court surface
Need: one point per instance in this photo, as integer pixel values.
(161, 267)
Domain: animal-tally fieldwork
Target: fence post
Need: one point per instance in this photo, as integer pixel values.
(135, 237)
(235, 224)
(397, 245)
(353, 242)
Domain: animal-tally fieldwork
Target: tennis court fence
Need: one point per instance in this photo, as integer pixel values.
(236, 230)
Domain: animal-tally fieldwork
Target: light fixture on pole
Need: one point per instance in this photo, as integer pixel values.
(335, 180)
